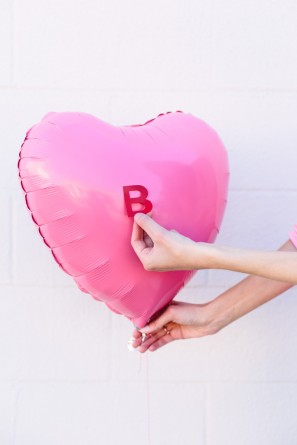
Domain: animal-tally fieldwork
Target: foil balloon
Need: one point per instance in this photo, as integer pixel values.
(84, 179)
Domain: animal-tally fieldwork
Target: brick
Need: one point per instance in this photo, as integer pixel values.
(200, 295)
(77, 413)
(167, 53)
(5, 237)
(198, 280)
(251, 413)
(6, 42)
(281, 332)
(259, 132)
(255, 220)
(179, 424)
(255, 45)
(144, 106)
(8, 396)
(52, 334)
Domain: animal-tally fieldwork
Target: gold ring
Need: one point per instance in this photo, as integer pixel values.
(166, 330)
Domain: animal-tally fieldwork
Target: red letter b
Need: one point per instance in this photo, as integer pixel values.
(141, 199)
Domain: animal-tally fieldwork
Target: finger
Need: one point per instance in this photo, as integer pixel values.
(137, 240)
(159, 322)
(136, 333)
(150, 340)
(161, 342)
(135, 340)
(148, 225)
(153, 338)
(137, 336)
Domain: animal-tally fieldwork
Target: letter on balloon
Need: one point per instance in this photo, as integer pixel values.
(141, 199)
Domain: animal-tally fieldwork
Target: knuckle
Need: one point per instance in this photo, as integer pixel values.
(148, 266)
(160, 237)
(152, 326)
(170, 312)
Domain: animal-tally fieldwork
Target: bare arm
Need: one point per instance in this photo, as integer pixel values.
(252, 291)
(278, 265)
(270, 274)
(161, 249)
(183, 320)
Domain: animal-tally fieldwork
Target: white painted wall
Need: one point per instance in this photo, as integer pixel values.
(66, 376)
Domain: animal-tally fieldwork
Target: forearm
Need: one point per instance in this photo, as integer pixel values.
(247, 295)
(242, 298)
(280, 265)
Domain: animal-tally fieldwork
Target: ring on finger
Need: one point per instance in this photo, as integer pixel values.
(166, 330)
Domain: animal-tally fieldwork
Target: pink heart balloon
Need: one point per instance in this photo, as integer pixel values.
(74, 169)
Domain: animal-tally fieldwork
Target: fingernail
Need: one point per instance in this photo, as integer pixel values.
(130, 344)
(145, 330)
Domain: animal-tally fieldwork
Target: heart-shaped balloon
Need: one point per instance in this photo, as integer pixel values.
(84, 179)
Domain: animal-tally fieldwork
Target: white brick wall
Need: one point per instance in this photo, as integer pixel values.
(66, 376)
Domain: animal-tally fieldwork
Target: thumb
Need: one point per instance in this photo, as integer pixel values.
(160, 322)
(148, 224)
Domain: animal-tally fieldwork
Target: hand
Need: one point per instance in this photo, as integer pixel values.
(160, 249)
(179, 321)
(183, 320)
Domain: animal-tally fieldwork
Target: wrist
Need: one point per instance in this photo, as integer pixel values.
(218, 316)
(202, 256)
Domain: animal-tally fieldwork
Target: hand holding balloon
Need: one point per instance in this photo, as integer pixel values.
(271, 273)
(178, 322)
